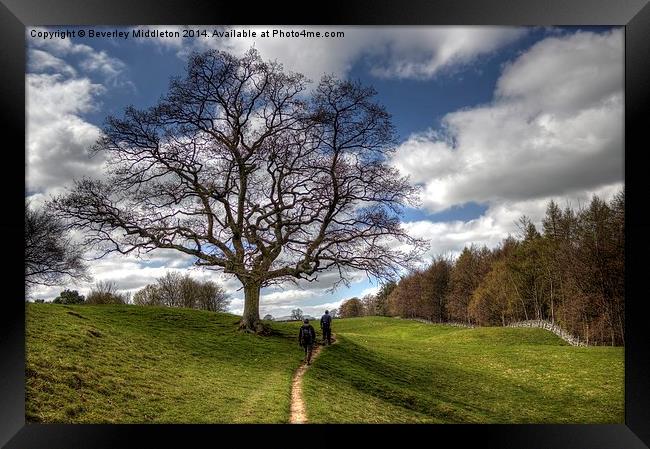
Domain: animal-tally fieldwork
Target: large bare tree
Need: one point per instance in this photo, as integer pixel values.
(254, 172)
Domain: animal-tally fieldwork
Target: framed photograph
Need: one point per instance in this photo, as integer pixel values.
(409, 219)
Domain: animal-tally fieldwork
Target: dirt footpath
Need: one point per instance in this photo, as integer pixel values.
(298, 411)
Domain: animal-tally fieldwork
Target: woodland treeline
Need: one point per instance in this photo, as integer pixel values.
(570, 272)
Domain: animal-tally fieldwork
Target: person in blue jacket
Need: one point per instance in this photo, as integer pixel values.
(326, 327)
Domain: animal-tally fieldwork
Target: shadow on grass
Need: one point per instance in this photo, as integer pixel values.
(443, 391)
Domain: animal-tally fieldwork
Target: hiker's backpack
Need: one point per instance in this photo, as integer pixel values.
(327, 320)
(306, 335)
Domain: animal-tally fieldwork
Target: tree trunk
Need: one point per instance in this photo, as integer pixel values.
(621, 328)
(552, 311)
(251, 317)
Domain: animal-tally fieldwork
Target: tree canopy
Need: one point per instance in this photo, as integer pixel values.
(255, 172)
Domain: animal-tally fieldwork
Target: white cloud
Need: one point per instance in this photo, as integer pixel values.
(555, 126)
(373, 290)
(57, 98)
(285, 310)
(566, 74)
(58, 139)
(391, 52)
(422, 52)
(112, 69)
(288, 297)
(41, 61)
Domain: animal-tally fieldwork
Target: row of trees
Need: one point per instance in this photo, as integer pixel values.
(103, 292)
(571, 272)
(176, 290)
(171, 290)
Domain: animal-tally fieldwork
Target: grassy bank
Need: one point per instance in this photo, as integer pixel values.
(129, 364)
(399, 371)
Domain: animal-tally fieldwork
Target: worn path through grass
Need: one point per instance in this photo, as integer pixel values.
(298, 410)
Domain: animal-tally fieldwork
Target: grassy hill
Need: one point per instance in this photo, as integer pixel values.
(129, 364)
(390, 370)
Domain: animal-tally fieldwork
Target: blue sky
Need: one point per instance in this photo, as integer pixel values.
(492, 123)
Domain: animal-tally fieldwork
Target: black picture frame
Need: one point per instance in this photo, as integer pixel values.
(16, 15)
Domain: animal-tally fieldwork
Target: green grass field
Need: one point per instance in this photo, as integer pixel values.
(386, 370)
(129, 364)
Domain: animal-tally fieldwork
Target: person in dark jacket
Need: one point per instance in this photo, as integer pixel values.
(326, 327)
(307, 338)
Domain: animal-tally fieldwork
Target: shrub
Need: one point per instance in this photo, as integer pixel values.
(69, 297)
(105, 292)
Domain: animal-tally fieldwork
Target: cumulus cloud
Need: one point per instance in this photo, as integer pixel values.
(566, 74)
(112, 69)
(61, 88)
(390, 52)
(57, 137)
(422, 52)
(42, 61)
(554, 127)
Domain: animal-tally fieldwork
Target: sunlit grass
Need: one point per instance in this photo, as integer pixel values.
(389, 370)
(129, 364)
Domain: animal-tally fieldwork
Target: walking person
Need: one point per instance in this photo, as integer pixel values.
(326, 327)
(307, 338)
